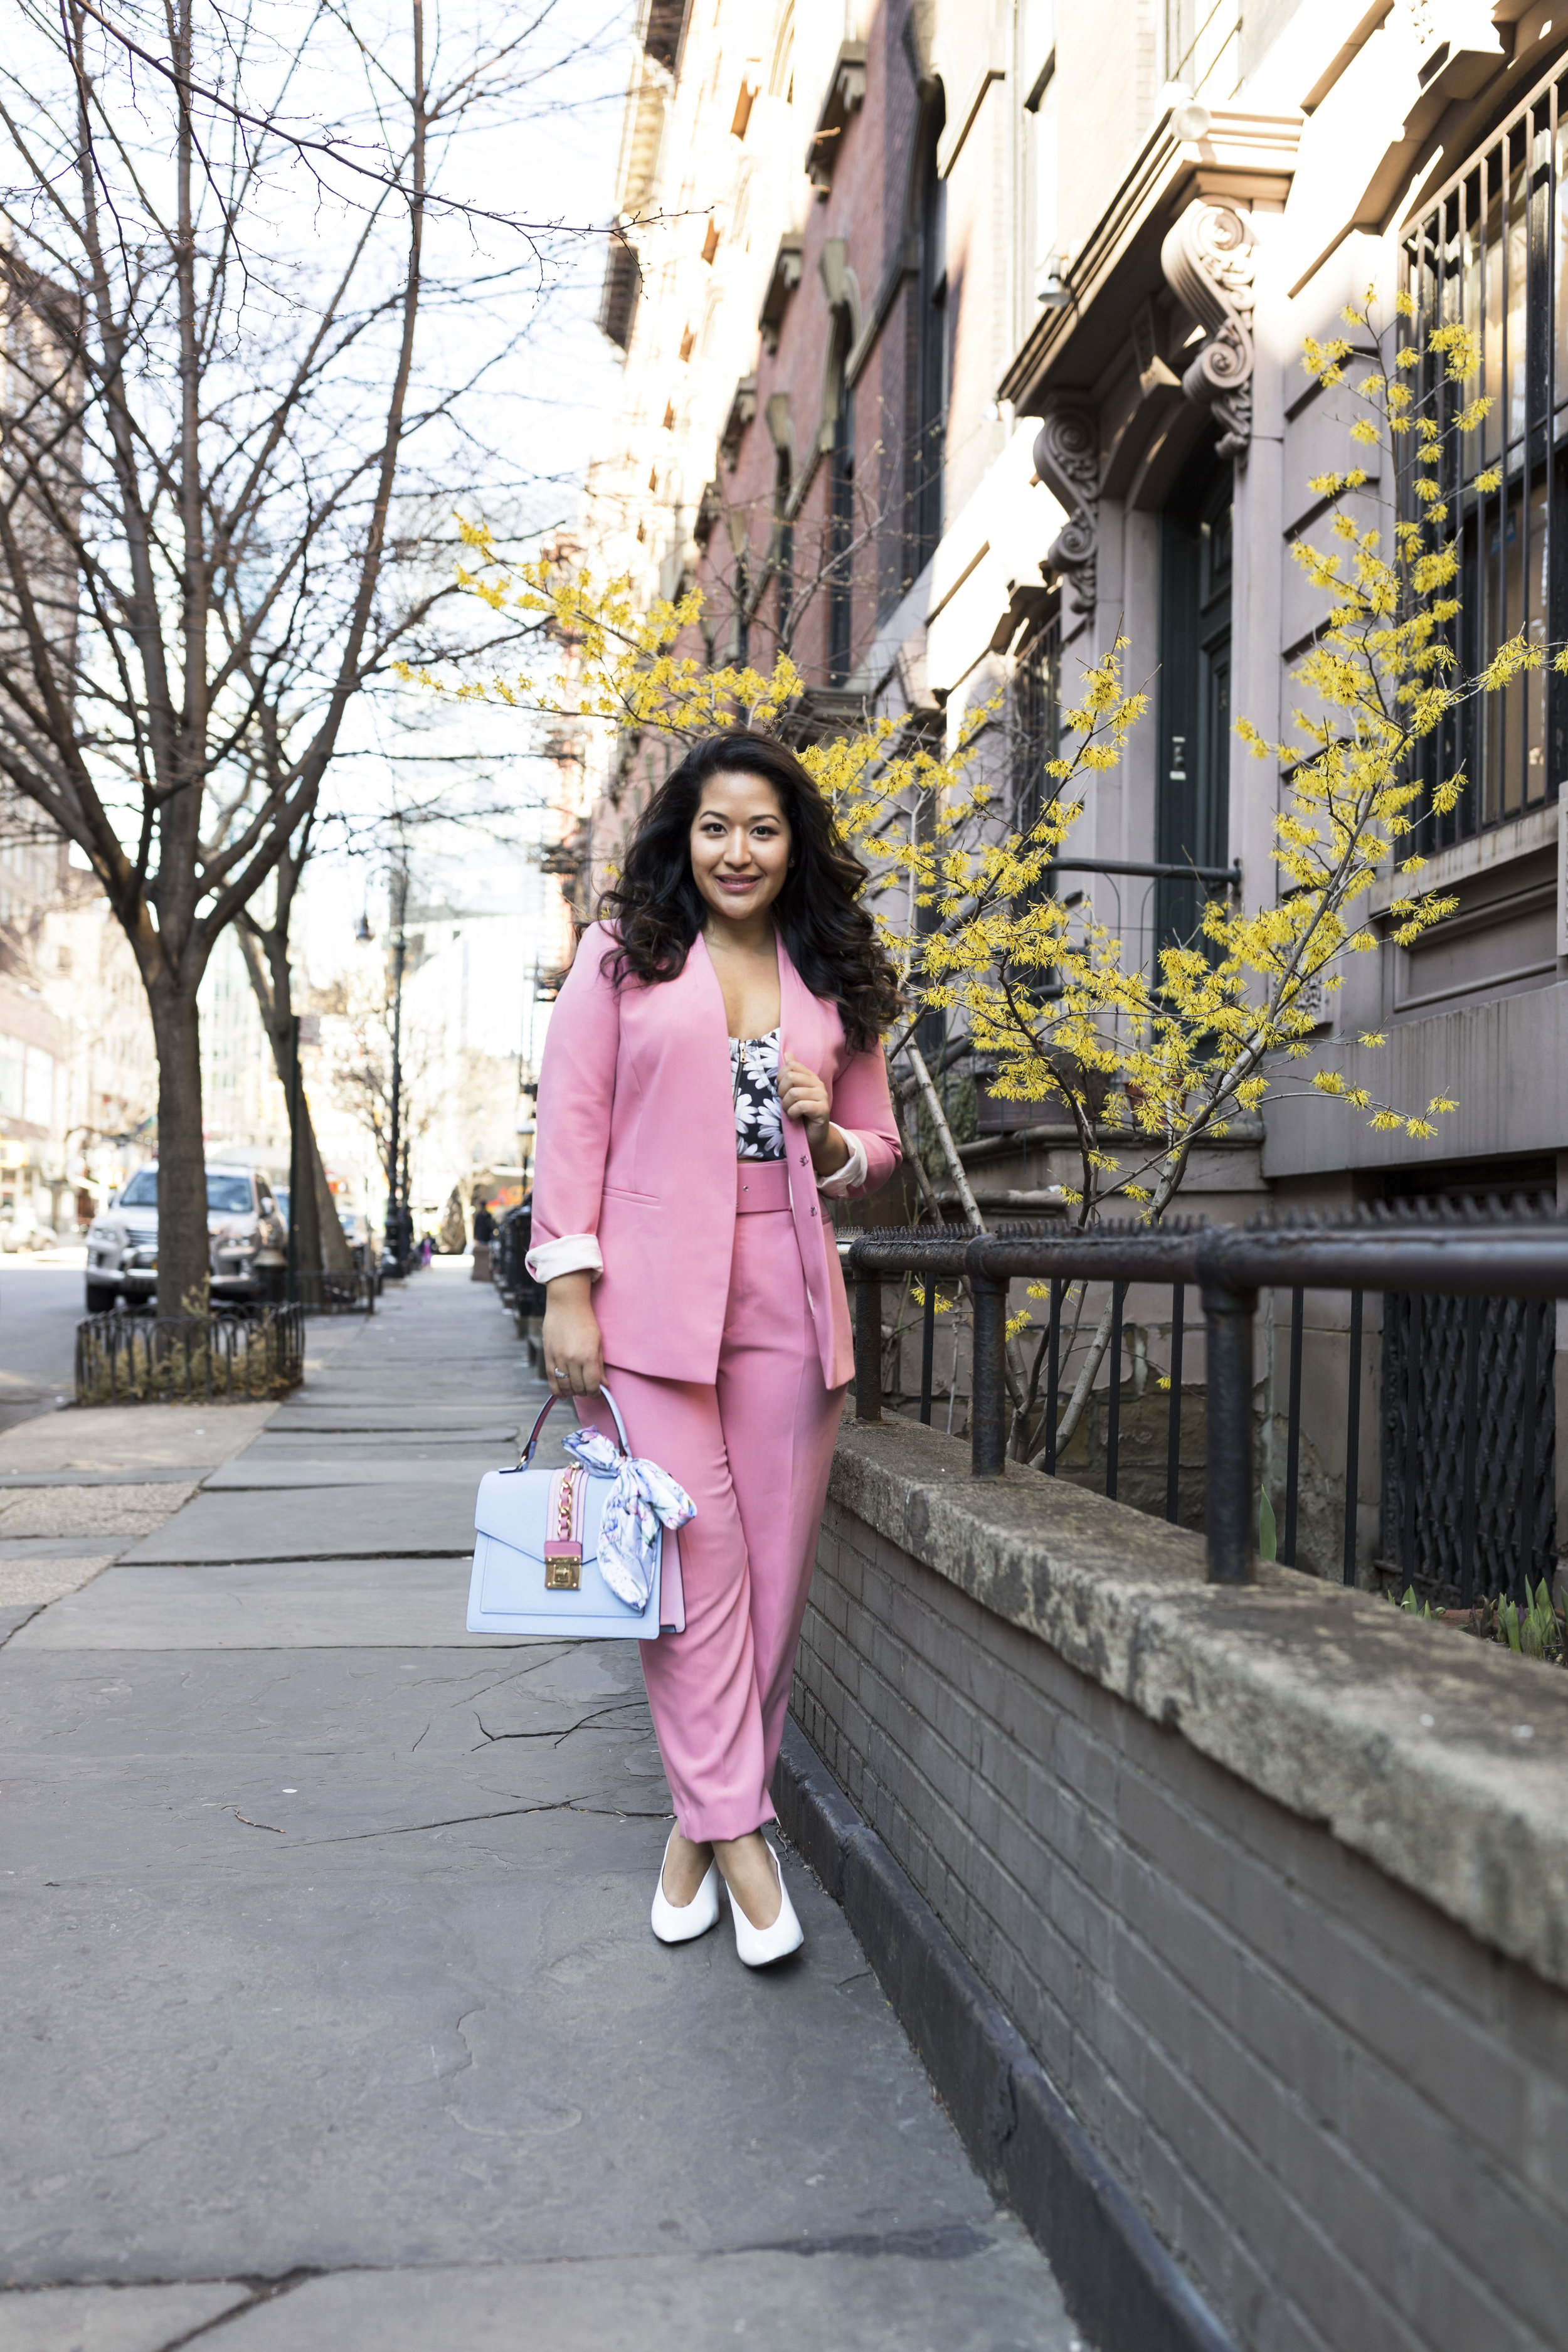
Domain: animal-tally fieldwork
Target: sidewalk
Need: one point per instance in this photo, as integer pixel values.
(333, 2019)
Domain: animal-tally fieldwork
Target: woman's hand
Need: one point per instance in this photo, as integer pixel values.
(573, 1350)
(806, 1098)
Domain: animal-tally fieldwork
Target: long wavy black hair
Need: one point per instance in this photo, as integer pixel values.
(657, 911)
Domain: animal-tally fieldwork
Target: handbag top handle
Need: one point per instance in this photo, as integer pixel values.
(526, 1456)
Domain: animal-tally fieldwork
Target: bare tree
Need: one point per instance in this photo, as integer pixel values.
(363, 1076)
(319, 1239)
(212, 305)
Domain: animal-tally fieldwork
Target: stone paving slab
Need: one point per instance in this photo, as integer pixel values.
(32, 1482)
(455, 1465)
(962, 2290)
(478, 1424)
(28, 1548)
(320, 1523)
(124, 1509)
(283, 1445)
(334, 2008)
(411, 2013)
(133, 1437)
(265, 1605)
(30, 1582)
(111, 2318)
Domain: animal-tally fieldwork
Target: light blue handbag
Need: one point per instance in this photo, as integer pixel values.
(539, 1534)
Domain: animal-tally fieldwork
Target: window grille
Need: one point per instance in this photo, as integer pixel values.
(1469, 1410)
(1468, 1416)
(1036, 718)
(1034, 727)
(1491, 250)
(841, 538)
(931, 356)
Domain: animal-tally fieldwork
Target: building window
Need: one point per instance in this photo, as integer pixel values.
(930, 347)
(783, 546)
(1492, 250)
(1202, 43)
(1037, 719)
(841, 517)
(1037, 77)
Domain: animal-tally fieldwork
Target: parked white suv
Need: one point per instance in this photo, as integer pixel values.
(246, 1235)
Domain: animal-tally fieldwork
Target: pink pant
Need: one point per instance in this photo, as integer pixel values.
(753, 1453)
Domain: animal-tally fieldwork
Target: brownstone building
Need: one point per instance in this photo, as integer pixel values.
(960, 339)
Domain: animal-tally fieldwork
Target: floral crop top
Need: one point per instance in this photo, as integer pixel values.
(755, 1079)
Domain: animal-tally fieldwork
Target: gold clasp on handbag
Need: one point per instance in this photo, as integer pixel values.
(562, 1554)
(563, 1568)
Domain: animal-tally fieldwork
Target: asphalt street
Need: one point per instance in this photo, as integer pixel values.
(333, 2015)
(40, 1306)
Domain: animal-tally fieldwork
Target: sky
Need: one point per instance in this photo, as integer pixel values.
(514, 280)
(542, 409)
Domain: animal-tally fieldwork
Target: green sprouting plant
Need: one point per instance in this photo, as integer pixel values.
(1268, 1529)
(1538, 1633)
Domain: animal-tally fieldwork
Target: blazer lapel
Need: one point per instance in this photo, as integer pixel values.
(802, 1030)
(702, 1001)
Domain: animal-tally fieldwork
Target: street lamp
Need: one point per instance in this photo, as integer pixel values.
(396, 1217)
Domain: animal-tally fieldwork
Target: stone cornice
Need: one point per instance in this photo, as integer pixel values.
(1242, 159)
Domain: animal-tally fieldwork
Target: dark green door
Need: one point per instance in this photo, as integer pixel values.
(1192, 813)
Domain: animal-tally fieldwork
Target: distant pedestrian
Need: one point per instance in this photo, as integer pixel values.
(484, 1234)
(713, 1065)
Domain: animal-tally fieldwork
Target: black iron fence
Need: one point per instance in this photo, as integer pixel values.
(189, 1358)
(509, 1250)
(1467, 1420)
(336, 1291)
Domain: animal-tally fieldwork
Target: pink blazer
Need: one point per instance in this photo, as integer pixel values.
(636, 1145)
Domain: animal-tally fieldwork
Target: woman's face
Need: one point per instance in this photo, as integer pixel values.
(739, 845)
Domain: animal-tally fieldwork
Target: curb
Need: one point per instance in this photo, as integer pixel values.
(1119, 2282)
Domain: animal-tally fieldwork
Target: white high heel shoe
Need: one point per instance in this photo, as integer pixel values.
(678, 1922)
(759, 1946)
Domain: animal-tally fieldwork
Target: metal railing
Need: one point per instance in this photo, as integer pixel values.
(186, 1358)
(1406, 1256)
(336, 1290)
(507, 1250)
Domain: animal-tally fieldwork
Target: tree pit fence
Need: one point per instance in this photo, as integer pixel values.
(190, 1359)
(336, 1290)
(1464, 1420)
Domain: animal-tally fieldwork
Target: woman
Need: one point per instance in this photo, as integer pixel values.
(713, 1067)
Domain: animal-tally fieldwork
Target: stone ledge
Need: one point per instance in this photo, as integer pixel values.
(1312, 1693)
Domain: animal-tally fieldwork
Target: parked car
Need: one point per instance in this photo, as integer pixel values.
(23, 1232)
(360, 1234)
(246, 1235)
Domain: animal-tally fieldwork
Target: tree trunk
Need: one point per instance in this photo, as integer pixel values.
(304, 1194)
(185, 1261)
(319, 1237)
(329, 1243)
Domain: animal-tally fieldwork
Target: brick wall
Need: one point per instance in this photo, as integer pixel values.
(1345, 2114)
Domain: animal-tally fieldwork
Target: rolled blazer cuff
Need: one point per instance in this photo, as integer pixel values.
(572, 1253)
(853, 1173)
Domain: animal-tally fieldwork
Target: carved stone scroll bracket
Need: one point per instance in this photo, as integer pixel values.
(1208, 260)
(1067, 460)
